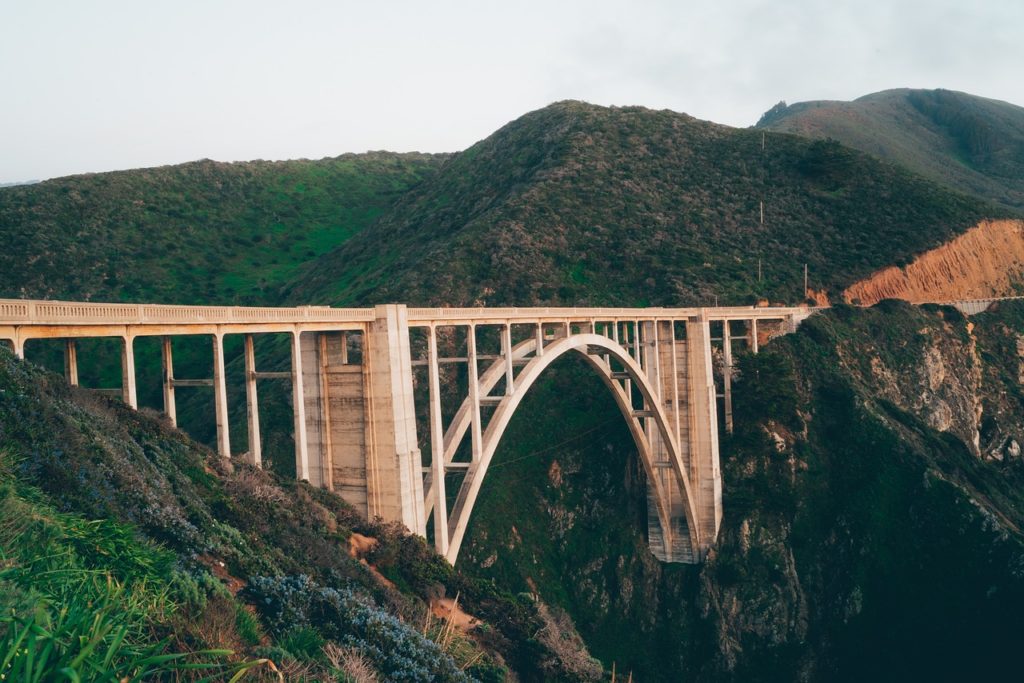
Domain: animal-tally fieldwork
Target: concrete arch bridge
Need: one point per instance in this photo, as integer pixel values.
(358, 387)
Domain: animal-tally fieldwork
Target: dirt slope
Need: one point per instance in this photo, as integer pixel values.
(985, 261)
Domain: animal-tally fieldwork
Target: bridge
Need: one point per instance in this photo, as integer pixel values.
(390, 402)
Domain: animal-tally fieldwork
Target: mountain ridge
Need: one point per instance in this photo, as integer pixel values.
(970, 143)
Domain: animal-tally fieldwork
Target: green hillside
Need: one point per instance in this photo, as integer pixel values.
(970, 143)
(209, 232)
(580, 204)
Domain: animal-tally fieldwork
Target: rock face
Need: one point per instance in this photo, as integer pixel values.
(873, 502)
(986, 261)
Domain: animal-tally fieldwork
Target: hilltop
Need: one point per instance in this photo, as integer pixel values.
(576, 204)
(972, 144)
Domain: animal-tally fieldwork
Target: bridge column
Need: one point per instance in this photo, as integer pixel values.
(437, 448)
(71, 362)
(220, 397)
(299, 409)
(394, 465)
(476, 434)
(506, 352)
(128, 389)
(167, 366)
(252, 409)
(666, 364)
(703, 432)
(752, 331)
(727, 374)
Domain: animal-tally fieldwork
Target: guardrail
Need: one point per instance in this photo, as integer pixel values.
(26, 312)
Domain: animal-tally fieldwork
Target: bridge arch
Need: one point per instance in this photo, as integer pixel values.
(594, 348)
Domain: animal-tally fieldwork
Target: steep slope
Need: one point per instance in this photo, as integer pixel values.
(985, 261)
(579, 204)
(873, 512)
(88, 487)
(969, 143)
(208, 232)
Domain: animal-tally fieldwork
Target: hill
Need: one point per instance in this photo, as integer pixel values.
(577, 204)
(210, 232)
(970, 143)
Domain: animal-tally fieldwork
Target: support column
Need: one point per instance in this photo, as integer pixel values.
(167, 365)
(220, 397)
(752, 329)
(704, 457)
(71, 362)
(299, 410)
(628, 385)
(637, 352)
(394, 464)
(540, 339)
(252, 408)
(506, 351)
(727, 374)
(437, 468)
(476, 435)
(676, 408)
(128, 390)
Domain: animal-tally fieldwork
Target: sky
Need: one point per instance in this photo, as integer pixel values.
(104, 85)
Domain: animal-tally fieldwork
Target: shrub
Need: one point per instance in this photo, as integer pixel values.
(351, 620)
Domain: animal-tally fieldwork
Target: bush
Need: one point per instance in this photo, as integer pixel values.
(349, 619)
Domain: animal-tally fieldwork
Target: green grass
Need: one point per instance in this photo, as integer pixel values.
(205, 232)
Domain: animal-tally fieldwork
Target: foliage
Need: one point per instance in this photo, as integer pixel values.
(293, 603)
(576, 204)
(205, 231)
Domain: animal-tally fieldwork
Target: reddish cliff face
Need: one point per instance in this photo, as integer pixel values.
(985, 261)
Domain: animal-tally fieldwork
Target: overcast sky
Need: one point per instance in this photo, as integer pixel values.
(103, 85)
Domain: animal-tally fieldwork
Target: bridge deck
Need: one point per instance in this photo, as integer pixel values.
(24, 312)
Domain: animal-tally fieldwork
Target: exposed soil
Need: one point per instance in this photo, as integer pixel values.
(986, 261)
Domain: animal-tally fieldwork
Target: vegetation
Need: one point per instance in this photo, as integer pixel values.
(190, 553)
(575, 204)
(851, 525)
(971, 144)
(861, 511)
(208, 232)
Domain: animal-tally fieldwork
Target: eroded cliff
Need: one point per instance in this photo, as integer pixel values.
(986, 261)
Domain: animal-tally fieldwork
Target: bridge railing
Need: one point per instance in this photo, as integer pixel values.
(43, 312)
(25, 312)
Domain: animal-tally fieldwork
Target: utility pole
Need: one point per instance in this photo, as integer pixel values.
(758, 270)
(762, 141)
(762, 213)
(805, 280)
